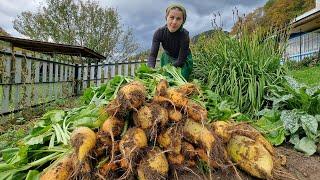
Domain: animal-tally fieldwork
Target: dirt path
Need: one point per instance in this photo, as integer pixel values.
(299, 165)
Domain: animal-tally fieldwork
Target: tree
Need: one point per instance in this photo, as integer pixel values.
(82, 23)
(274, 14)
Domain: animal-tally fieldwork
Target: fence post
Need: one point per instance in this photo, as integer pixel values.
(105, 72)
(92, 74)
(98, 77)
(113, 69)
(132, 67)
(76, 75)
(28, 80)
(119, 68)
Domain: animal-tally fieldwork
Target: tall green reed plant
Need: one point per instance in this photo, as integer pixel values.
(240, 66)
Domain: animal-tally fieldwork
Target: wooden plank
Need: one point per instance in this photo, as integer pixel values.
(65, 84)
(85, 76)
(42, 87)
(61, 79)
(79, 80)
(92, 74)
(113, 70)
(105, 72)
(6, 79)
(66, 73)
(73, 75)
(51, 84)
(133, 67)
(119, 69)
(99, 74)
(17, 95)
(56, 80)
(28, 80)
(126, 68)
(36, 98)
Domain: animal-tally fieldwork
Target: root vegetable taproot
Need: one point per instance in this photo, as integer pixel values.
(178, 99)
(247, 130)
(154, 165)
(198, 134)
(204, 157)
(113, 126)
(61, 169)
(170, 139)
(251, 156)
(132, 95)
(133, 140)
(174, 115)
(175, 159)
(222, 129)
(188, 89)
(197, 112)
(83, 140)
(161, 88)
(150, 115)
(113, 107)
(188, 150)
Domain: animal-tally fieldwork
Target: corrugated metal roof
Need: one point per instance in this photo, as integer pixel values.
(52, 48)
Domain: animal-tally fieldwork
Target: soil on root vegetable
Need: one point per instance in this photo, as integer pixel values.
(297, 165)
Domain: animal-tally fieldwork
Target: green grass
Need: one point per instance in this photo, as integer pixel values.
(15, 126)
(308, 75)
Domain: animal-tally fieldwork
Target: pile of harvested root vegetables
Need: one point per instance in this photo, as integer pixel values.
(161, 137)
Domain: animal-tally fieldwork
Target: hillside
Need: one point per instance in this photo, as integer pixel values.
(205, 33)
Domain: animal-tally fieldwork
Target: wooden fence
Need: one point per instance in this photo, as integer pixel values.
(27, 81)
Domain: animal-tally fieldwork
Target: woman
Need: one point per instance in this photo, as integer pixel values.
(174, 40)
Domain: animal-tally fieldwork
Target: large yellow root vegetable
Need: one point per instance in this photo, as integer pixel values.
(222, 129)
(170, 139)
(174, 115)
(83, 140)
(251, 156)
(113, 126)
(153, 166)
(250, 132)
(132, 95)
(61, 169)
(178, 99)
(132, 142)
(198, 134)
(188, 89)
(162, 86)
(188, 150)
(197, 112)
(150, 116)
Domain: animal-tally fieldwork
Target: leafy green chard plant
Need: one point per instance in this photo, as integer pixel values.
(241, 67)
(295, 113)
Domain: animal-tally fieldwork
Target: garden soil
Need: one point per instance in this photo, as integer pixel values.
(297, 165)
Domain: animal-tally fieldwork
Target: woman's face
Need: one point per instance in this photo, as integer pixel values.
(174, 20)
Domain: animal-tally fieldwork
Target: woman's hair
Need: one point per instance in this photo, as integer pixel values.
(177, 6)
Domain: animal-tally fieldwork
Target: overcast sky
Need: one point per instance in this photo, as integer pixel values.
(145, 16)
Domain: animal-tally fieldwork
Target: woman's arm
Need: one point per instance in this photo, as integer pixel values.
(184, 50)
(154, 49)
